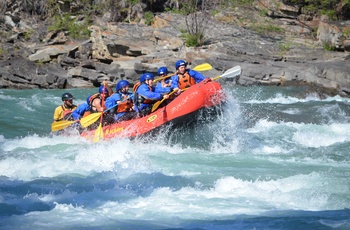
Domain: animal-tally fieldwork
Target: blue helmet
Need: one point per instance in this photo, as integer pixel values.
(163, 70)
(102, 89)
(121, 84)
(146, 76)
(180, 63)
(142, 78)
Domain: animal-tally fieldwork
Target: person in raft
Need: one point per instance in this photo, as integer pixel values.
(145, 95)
(97, 101)
(164, 84)
(121, 103)
(97, 104)
(64, 111)
(184, 77)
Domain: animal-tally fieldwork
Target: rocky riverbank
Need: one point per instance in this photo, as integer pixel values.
(117, 51)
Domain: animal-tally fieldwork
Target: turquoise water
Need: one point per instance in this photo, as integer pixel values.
(277, 158)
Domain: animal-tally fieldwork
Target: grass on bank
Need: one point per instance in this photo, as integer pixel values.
(76, 29)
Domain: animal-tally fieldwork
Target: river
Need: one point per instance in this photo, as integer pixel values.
(276, 158)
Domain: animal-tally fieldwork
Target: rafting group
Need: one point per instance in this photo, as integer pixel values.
(122, 104)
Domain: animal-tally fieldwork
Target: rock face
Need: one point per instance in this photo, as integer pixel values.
(117, 51)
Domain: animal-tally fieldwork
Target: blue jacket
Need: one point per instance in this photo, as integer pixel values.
(112, 100)
(80, 110)
(163, 90)
(144, 92)
(198, 77)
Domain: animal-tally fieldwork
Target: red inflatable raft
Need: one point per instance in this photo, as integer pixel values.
(205, 96)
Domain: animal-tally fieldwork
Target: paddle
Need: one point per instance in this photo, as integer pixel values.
(90, 119)
(201, 67)
(61, 125)
(99, 132)
(157, 104)
(230, 73)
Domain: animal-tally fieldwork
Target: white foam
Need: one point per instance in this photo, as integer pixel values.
(232, 196)
(322, 135)
(2, 139)
(107, 156)
(280, 99)
(35, 142)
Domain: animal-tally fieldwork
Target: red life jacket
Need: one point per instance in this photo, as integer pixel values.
(67, 112)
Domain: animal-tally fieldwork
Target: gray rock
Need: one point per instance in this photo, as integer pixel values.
(124, 51)
(40, 81)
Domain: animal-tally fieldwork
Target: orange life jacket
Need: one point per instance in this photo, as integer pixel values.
(136, 86)
(86, 113)
(125, 106)
(185, 80)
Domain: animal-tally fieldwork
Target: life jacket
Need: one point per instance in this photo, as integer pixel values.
(86, 113)
(136, 86)
(92, 98)
(67, 112)
(139, 99)
(126, 105)
(185, 80)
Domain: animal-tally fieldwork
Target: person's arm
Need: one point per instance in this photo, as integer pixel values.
(80, 110)
(58, 114)
(112, 100)
(175, 83)
(198, 77)
(163, 90)
(146, 93)
(105, 83)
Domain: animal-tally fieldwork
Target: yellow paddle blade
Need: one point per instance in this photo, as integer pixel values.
(156, 105)
(90, 119)
(203, 67)
(60, 125)
(99, 133)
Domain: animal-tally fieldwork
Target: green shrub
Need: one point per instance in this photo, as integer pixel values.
(67, 23)
(192, 40)
(346, 32)
(284, 46)
(329, 13)
(28, 34)
(149, 16)
(328, 46)
(267, 29)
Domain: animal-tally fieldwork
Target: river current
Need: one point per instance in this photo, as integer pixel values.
(276, 158)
